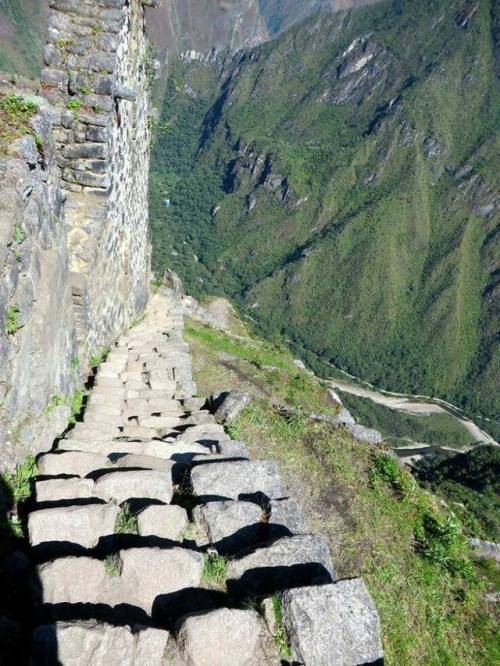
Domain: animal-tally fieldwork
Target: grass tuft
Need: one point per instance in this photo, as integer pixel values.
(12, 320)
(126, 522)
(214, 570)
(281, 636)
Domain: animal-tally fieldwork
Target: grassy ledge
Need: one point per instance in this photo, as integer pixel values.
(409, 546)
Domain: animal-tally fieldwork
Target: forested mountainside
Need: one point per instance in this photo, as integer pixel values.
(341, 185)
(22, 35)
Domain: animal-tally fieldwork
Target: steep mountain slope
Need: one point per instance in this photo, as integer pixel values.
(22, 35)
(212, 24)
(340, 184)
(281, 14)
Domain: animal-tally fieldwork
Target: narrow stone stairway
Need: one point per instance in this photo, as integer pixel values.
(158, 541)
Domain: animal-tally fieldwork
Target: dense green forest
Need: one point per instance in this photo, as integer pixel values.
(340, 184)
(471, 479)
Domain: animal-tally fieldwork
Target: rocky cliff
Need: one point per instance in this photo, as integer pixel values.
(73, 217)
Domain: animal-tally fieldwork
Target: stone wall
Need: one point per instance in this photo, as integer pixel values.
(75, 253)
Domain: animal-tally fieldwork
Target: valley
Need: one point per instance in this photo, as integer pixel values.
(313, 182)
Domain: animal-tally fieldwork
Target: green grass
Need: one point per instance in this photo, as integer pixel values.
(15, 114)
(410, 547)
(74, 104)
(281, 637)
(12, 324)
(76, 405)
(19, 233)
(214, 570)
(19, 482)
(259, 359)
(99, 356)
(112, 566)
(126, 522)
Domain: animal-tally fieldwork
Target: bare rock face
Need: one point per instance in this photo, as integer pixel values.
(332, 624)
(224, 637)
(364, 434)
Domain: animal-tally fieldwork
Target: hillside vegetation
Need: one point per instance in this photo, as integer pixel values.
(22, 35)
(340, 184)
(410, 548)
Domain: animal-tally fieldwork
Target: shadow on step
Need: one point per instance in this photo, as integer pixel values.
(263, 581)
(109, 545)
(18, 579)
(252, 536)
(169, 608)
(119, 615)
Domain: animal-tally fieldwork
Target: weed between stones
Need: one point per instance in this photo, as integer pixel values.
(126, 522)
(214, 570)
(281, 636)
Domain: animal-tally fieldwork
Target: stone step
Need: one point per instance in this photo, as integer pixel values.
(97, 644)
(71, 463)
(226, 637)
(236, 480)
(80, 525)
(126, 484)
(166, 522)
(56, 490)
(332, 624)
(290, 561)
(141, 576)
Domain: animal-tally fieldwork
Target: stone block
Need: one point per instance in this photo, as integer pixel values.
(236, 480)
(82, 525)
(332, 624)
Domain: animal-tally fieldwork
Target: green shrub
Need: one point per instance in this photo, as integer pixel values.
(442, 541)
(387, 469)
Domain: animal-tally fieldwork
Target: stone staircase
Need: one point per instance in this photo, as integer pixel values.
(158, 541)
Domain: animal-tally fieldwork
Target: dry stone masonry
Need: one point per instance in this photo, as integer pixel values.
(137, 500)
(75, 254)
